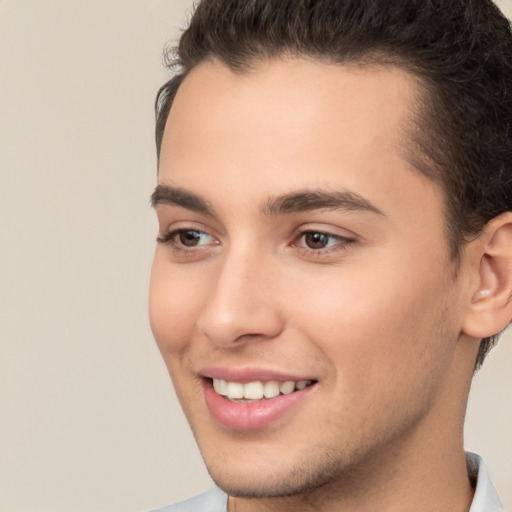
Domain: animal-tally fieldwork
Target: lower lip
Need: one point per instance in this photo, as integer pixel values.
(251, 415)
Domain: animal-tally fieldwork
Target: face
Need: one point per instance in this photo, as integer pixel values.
(302, 294)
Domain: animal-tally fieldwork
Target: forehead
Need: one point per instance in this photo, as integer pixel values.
(298, 88)
(279, 102)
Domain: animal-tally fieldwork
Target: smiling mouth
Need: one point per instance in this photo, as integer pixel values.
(258, 390)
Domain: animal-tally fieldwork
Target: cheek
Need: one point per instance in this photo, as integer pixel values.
(372, 324)
(173, 307)
(385, 349)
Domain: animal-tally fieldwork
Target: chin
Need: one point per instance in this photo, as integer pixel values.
(271, 486)
(263, 480)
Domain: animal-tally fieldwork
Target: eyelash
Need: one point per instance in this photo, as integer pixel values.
(340, 242)
(170, 240)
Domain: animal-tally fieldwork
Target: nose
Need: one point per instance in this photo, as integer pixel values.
(242, 303)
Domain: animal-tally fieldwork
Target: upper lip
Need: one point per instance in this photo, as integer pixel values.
(250, 374)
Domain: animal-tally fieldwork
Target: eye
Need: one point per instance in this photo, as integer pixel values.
(183, 239)
(190, 238)
(318, 240)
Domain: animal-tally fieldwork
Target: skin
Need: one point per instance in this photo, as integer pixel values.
(376, 317)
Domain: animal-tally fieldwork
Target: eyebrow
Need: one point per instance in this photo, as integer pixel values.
(295, 202)
(317, 200)
(172, 196)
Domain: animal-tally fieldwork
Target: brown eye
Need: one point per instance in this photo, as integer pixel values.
(320, 241)
(184, 242)
(316, 240)
(189, 238)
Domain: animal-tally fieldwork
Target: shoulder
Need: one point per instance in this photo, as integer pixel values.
(211, 501)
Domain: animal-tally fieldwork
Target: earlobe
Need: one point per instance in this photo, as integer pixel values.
(490, 308)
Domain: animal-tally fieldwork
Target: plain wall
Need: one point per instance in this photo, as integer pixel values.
(88, 419)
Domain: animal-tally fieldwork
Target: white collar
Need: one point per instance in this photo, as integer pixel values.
(486, 498)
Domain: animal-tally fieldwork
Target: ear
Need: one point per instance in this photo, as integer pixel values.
(490, 261)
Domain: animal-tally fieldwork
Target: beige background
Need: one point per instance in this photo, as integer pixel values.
(88, 421)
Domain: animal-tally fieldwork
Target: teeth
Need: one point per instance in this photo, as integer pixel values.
(271, 389)
(235, 390)
(287, 387)
(253, 391)
(220, 386)
(257, 390)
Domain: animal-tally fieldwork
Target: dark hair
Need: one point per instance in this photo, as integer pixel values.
(459, 50)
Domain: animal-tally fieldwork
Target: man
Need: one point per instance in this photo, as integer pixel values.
(334, 258)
